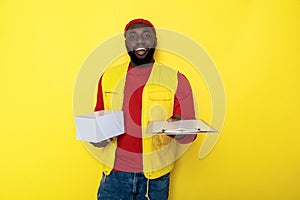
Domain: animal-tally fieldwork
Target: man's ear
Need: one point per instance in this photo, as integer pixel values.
(126, 46)
(155, 42)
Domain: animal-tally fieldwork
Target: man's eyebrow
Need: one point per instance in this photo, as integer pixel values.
(133, 31)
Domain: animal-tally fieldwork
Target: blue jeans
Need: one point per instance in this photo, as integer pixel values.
(133, 186)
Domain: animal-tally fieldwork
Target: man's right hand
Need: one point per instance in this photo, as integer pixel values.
(102, 143)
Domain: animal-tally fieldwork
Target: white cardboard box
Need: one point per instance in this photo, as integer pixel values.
(99, 126)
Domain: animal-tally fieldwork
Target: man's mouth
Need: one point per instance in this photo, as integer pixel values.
(141, 51)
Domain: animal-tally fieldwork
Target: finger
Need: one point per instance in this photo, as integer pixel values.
(170, 120)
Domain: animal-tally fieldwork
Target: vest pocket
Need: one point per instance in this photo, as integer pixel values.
(160, 95)
(113, 100)
(107, 93)
(160, 104)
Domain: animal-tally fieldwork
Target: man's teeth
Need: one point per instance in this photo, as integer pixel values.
(141, 49)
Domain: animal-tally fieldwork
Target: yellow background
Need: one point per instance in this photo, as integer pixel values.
(254, 44)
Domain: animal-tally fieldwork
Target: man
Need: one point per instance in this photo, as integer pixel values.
(138, 164)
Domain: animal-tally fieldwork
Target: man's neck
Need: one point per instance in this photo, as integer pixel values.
(132, 64)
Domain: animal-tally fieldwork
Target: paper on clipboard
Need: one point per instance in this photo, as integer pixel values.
(180, 127)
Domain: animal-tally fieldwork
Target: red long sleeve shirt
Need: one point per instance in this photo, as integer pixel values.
(129, 151)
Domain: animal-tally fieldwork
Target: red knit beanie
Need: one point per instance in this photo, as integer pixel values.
(139, 20)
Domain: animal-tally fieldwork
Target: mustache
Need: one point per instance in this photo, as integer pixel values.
(139, 61)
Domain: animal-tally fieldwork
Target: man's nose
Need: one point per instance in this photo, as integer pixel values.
(140, 39)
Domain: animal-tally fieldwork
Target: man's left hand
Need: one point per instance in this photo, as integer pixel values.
(173, 119)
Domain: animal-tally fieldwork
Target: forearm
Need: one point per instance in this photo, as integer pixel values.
(183, 107)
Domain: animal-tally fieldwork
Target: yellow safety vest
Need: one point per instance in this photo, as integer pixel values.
(159, 151)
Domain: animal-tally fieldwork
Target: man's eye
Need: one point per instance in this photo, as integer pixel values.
(132, 37)
(147, 36)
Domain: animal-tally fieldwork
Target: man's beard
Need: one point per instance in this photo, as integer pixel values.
(142, 61)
